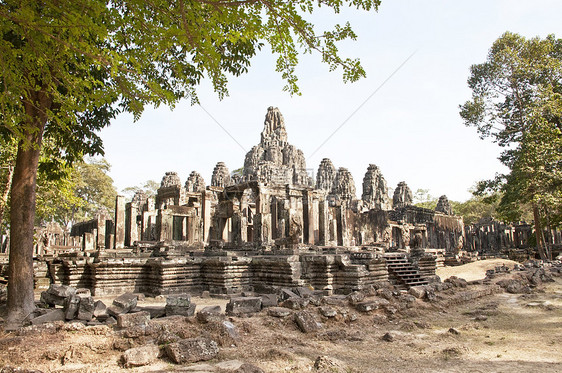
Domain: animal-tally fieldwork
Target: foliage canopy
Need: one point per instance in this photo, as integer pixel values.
(517, 101)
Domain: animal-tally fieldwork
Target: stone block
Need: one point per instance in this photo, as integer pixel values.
(210, 314)
(71, 305)
(306, 322)
(129, 320)
(417, 291)
(51, 316)
(371, 305)
(83, 292)
(286, 294)
(229, 329)
(335, 300)
(295, 303)
(183, 300)
(100, 310)
(269, 300)
(155, 311)
(241, 306)
(85, 308)
(139, 356)
(122, 304)
(279, 311)
(56, 294)
(303, 291)
(180, 310)
(192, 350)
(356, 297)
(328, 311)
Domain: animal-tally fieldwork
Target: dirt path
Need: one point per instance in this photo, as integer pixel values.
(475, 270)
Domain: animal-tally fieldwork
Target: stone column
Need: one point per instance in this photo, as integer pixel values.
(165, 223)
(119, 222)
(100, 240)
(323, 235)
(131, 230)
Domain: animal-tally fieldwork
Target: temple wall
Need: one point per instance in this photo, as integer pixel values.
(220, 275)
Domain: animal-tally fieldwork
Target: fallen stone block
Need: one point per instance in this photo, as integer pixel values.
(371, 305)
(243, 306)
(279, 311)
(155, 311)
(269, 300)
(139, 356)
(71, 305)
(210, 314)
(328, 311)
(56, 294)
(286, 294)
(180, 305)
(100, 310)
(122, 304)
(83, 292)
(85, 307)
(306, 322)
(50, 316)
(417, 291)
(356, 297)
(182, 300)
(230, 330)
(303, 292)
(295, 303)
(129, 320)
(335, 300)
(192, 350)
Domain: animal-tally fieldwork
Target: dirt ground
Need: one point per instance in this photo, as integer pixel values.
(501, 332)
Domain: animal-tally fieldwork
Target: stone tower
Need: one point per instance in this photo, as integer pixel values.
(195, 182)
(221, 176)
(344, 186)
(402, 196)
(375, 191)
(274, 160)
(444, 206)
(326, 175)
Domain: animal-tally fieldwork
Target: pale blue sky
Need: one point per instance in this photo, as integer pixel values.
(410, 128)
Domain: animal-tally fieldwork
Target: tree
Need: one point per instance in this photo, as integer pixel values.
(477, 207)
(148, 188)
(69, 66)
(84, 191)
(516, 101)
(422, 198)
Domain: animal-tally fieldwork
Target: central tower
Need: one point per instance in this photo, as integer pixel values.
(274, 160)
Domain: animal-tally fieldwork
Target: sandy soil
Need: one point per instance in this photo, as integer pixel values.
(475, 270)
(497, 333)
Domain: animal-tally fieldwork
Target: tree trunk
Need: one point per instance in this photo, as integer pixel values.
(538, 232)
(5, 193)
(22, 212)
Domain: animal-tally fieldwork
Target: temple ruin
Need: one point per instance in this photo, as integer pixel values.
(272, 226)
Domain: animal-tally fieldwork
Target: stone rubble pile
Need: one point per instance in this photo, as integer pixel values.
(177, 333)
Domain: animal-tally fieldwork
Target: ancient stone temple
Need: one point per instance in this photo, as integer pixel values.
(268, 226)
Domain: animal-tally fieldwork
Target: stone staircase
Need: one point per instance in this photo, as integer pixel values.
(401, 272)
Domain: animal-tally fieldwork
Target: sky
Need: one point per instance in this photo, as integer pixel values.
(403, 117)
